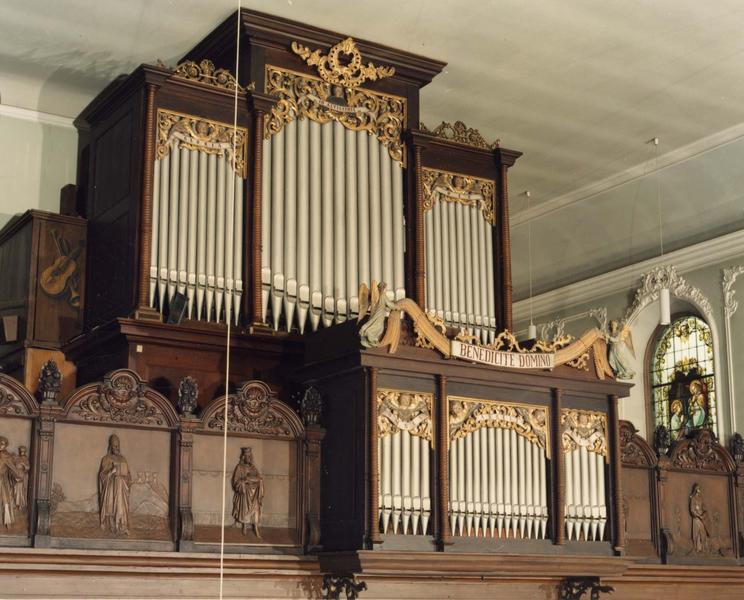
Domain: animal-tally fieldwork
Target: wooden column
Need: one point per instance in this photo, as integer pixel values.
(314, 435)
(43, 446)
(442, 448)
(185, 444)
(506, 251)
(558, 503)
(615, 467)
(419, 250)
(257, 241)
(143, 309)
(373, 483)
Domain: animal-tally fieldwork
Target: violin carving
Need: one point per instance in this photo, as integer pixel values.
(60, 278)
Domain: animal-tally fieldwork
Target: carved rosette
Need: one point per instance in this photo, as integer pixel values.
(399, 410)
(460, 133)
(467, 415)
(122, 398)
(701, 452)
(584, 429)
(442, 186)
(303, 96)
(205, 72)
(349, 71)
(634, 451)
(252, 410)
(177, 130)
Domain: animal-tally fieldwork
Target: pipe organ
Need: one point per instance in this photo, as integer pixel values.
(584, 444)
(497, 461)
(197, 216)
(405, 444)
(333, 199)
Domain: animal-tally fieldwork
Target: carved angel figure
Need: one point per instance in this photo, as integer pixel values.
(620, 342)
(114, 482)
(248, 486)
(371, 332)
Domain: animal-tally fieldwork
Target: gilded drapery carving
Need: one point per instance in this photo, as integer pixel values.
(584, 429)
(467, 415)
(399, 410)
(452, 187)
(301, 96)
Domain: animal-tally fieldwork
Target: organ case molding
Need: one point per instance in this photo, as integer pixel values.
(303, 96)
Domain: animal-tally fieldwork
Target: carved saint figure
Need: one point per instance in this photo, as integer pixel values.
(20, 489)
(9, 475)
(371, 332)
(247, 483)
(697, 515)
(619, 340)
(114, 481)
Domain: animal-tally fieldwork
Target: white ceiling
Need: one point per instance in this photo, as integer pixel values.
(577, 85)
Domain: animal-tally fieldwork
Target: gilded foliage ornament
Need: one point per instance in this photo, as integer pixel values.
(467, 415)
(176, 130)
(399, 410)
(584, 429)
(342, 65)
(205, 72)
(300, 96)
(460, 133)
(442, 186)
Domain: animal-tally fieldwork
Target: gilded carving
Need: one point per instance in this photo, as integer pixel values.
(584, 429)
(399, 410)
(114, 482)
(467, 415)
(442, 186)
(460, 133)
(177, 130)
(301, 96)
(701, 452)
(121, 398)
(248, 488)
(342, 65)
(252, 410)
(205, 72)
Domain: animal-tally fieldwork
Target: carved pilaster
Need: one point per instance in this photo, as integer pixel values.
(185, 443)
(559, 477)
(373, 485)
(314, 435)
(615, 461)
(43, 472)
(506, 279)
(445, 535)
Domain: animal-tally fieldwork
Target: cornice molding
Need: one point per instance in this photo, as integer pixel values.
(26, 114)
(687, 259)
(638, 171)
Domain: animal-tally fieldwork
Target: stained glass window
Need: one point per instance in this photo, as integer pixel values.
(682, 381)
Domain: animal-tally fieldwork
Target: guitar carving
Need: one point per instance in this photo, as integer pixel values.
(60, 278)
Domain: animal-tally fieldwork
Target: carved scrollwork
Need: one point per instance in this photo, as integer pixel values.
(11, 402)
(584, 429)
(460, 133)
(700, 451)
(302, 96)
(176, 130)
(442, 186)
(122, 398)
(205, 72)
(399, 410)
(253, 410)
(634, 451)
(349, 71)
(467, 415)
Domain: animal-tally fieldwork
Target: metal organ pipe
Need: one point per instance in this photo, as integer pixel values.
(303, 223)
(290, 222)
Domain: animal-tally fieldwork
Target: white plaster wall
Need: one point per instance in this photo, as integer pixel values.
(37, 160)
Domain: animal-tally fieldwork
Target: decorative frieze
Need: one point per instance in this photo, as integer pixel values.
(205, 72)
(460, 133)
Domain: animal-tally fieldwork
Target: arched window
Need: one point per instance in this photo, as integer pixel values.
(682, 382)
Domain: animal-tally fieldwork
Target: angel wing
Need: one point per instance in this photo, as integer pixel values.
(375, 292)
(626, 337)
(363, 301)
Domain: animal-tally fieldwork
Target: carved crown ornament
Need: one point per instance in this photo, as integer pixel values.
(254, 409)
(460, 133)
(467, 415)
(177, 130)
(584, 429)
(701, 451)
(302, 96)
(122, 398)
(206, 73)
(400, 410)
(442, 186)
(342, 65)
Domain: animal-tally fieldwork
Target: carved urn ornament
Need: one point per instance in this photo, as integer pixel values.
(50, 382)
(737, 447)
(662, 440)
(311, 406)
(188, 394)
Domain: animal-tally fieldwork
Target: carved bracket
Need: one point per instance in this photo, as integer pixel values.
(335, 585)
(574, 588)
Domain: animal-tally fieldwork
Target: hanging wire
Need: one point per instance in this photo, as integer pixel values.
(529, 252)
(228, 316)
(658, 196)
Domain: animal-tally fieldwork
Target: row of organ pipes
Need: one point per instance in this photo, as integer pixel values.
(498, 477)
(332, 219)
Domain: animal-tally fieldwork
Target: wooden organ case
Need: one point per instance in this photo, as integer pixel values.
(362, 264)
